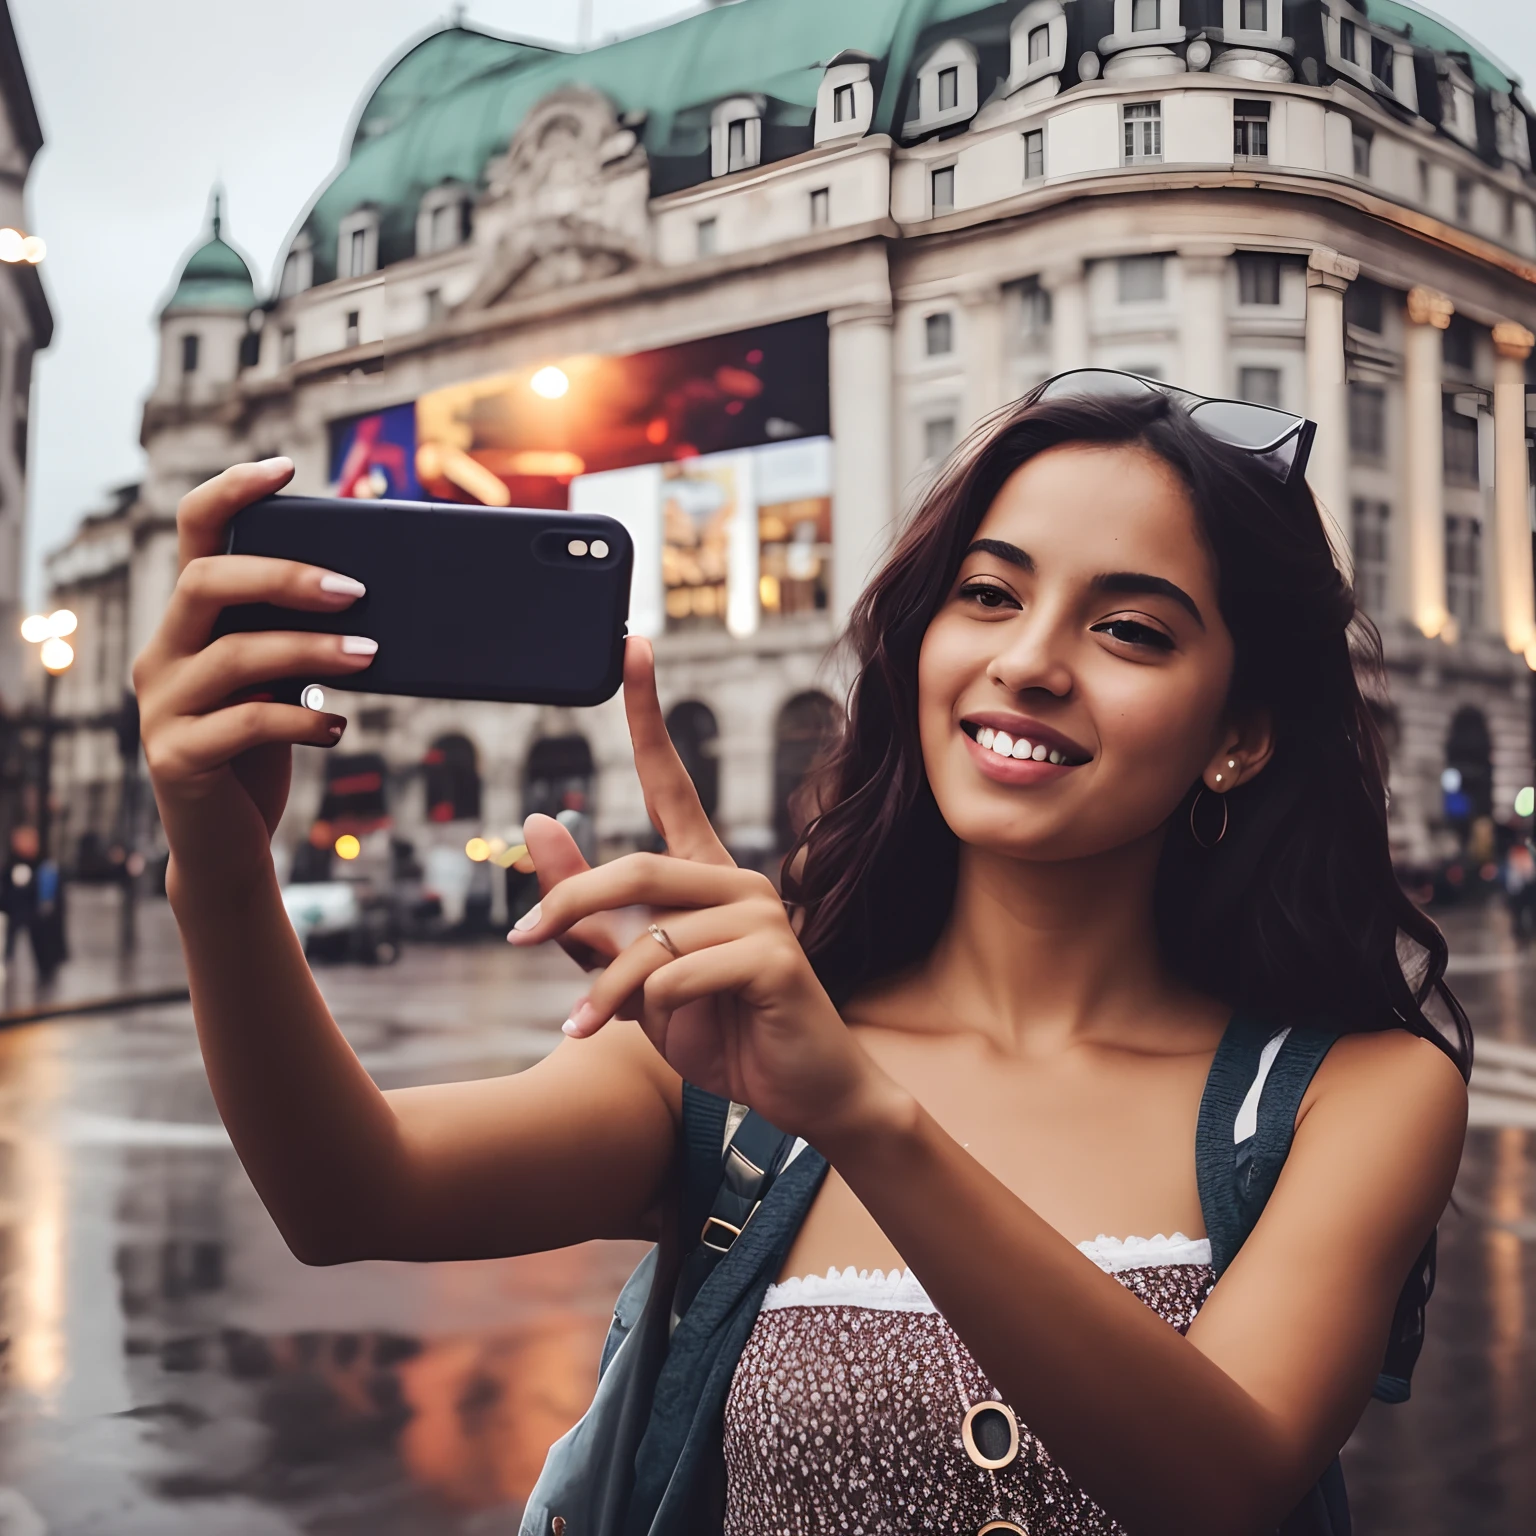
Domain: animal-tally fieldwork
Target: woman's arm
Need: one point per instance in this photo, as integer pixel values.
(573, 1148)
(1221, 1431)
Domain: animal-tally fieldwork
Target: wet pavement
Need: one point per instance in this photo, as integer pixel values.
(170, 1368)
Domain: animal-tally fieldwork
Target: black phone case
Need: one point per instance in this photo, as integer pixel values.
(465, 602)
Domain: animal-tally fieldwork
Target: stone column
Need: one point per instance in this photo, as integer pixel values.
(1512, 344)
(1429, 313)
(984, 322)
(1328, 275)
(1068, 288)
(1203, 288)
(863, 497)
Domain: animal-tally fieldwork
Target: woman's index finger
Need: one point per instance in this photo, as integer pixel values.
(203, 518)
(671, 801)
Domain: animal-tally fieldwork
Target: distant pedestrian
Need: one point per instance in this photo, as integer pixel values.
(1520, 888)
(31, 897)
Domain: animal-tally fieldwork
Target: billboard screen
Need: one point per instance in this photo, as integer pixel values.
(375, 455)
(519, 439)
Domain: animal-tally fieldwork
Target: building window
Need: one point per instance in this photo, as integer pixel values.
(436, 309)
(1460, 449)
(794, 559)
(1367, 421)
(1039, 44)
(735, 136)
(1250, 130)
(1456, 344)
(1258, 279)
(1463, 200)
(1143, 123)
(821, 207)
(736, 144)
(1381, 61)
(354, 327)
(943, 183)
(1349, 42)
(1034, 154)
(938, 438)
(1464, 572)
(1361, 141)
(1423, 181)
(1034, 312)
(1370, 519)
(949, 89)
(357, 257)
(1362, 305)
(1252, 17)
(1260, 385)
(1140, 279)
(707, 233)
(1447, 103)
(843, 110)
(939, 334)
(288, 346)
(1146, 15)
(191, 348)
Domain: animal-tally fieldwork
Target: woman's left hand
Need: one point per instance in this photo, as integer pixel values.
(722, 989)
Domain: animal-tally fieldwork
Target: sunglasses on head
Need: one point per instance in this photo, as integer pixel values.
(1279, 441)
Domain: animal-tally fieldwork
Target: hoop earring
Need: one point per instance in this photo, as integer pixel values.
(1195, 834)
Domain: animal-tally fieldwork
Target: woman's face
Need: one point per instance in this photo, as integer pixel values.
(1083, 622)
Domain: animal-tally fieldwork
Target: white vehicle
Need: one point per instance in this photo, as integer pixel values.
(336, 919)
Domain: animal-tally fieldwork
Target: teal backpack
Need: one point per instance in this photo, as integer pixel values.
(646, 1459)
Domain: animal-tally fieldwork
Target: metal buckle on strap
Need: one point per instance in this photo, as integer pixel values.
(724, 1226)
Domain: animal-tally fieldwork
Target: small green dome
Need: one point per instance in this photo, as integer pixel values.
(215, 277)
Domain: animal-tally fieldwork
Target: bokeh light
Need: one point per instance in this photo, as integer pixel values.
(57, 654)
(549, 383)
(1525, 801)
(347, 846)
(478, 849)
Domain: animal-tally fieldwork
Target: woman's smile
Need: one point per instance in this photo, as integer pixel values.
(1012, 749)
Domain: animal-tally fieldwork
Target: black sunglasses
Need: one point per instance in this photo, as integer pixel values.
(1280, 441)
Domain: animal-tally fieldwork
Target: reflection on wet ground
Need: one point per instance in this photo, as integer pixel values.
(170, 1368)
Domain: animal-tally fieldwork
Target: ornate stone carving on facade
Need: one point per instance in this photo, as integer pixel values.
(567, 203)
(1427, 306)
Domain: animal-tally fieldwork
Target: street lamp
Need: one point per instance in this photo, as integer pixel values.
(47, 631)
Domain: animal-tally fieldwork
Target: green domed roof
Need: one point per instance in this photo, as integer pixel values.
(1429, 31)
(215, 277)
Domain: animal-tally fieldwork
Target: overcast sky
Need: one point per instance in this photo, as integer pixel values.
(146, 103)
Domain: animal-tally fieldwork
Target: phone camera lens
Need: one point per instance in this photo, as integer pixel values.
(577, 547)
(599, 549)
(313, 697)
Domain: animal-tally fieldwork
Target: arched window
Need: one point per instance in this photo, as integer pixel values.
(1467, 783)
(557, 776)
(452, 780)
(945, 91)
(805, 726)
(736, 135)
(354, 799)
(696, 736)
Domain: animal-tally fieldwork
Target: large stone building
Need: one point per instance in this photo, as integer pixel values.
(743, 280)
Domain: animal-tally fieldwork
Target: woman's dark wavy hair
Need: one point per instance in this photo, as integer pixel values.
(1296, 912)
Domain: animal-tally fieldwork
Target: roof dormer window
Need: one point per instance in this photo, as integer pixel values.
(1038, 46)
(845, 100)
(736, 136)
(444, 219)
(1146, 15)
(357, 244)
(945, 92)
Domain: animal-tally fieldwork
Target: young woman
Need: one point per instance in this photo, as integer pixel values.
(1108, 776)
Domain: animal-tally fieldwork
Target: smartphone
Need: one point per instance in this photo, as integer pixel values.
(513, 605)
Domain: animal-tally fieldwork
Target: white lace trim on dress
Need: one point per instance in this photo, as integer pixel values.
(902, 1291)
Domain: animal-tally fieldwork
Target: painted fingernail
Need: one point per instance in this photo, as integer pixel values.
(281, 463)
(358, 645)
(336, 730)
(529, 919)
(583, 1017)
(570, 1027)
(342, 586)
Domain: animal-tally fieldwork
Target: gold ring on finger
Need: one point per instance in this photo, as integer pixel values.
(659, 933)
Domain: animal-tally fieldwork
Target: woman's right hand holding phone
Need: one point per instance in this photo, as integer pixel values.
(220, 756)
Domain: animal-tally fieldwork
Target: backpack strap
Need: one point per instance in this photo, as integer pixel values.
(733, 1156)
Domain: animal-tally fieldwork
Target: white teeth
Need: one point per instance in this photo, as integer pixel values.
(1002, 744)
(1055, 757)
(1021, 748)
(984, 736)
(1039, 753)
